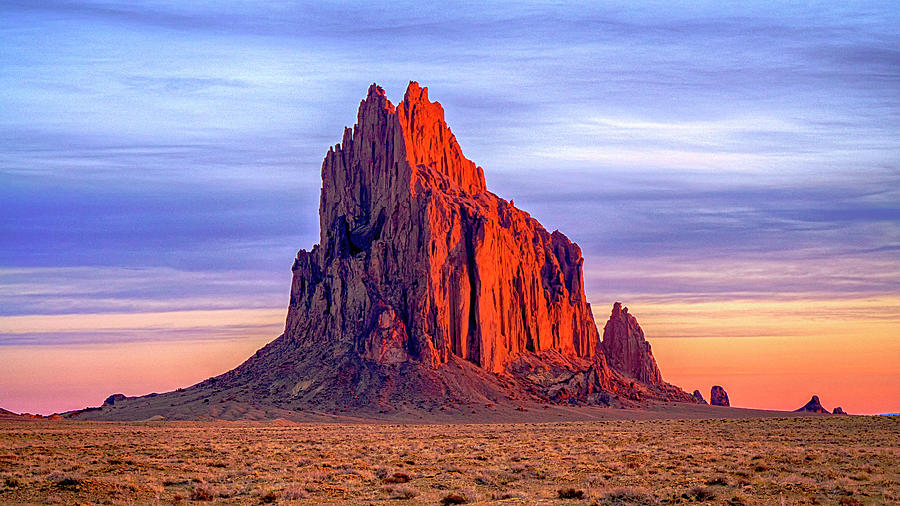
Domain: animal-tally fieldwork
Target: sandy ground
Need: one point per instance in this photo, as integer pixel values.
(637, 459)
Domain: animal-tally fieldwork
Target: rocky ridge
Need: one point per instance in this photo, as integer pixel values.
(9, 415)
(5, 414)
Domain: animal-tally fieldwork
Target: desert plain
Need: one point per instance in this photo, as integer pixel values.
(786, 459)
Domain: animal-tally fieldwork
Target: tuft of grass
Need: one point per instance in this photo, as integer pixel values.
(65, 481)
(202, 492)
(737, 500)
(699, 494)
(454, 498)
(718, 480)
(512, 494)
(628, 495)
(294, 494)
(397, 478)
(570, 493)
(401, 493)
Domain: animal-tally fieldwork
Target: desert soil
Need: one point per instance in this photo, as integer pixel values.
(808, 460)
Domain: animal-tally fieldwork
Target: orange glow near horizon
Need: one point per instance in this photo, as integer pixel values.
(777, 354)
(49, 379)
(163, 320)
(767, 354)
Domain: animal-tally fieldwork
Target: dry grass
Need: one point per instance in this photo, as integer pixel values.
(827, 460)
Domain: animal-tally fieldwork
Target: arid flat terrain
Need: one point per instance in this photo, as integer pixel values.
(807, 460)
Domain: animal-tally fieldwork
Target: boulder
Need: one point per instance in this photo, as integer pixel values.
(718, 396)
(699, 397)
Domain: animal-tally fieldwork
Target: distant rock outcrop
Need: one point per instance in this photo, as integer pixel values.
(114, 398)
(626, 349)
(813, 406)
(699, 397)
(718, 396)
(838, 411)
(427, 290)
(9, 415)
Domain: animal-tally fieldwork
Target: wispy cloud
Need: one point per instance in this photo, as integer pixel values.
(86, 290)
(681, 147)
(169, 325)
(808, 318)
(691, 280)
(181, 84)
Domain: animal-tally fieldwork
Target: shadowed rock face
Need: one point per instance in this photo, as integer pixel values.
(813, 406)
(428, 290)
(718, 396)
(838, 411)
(114, 398)
(626, 349)
(699, 397)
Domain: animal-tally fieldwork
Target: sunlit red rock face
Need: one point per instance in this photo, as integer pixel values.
(418, 261)
(426, 293)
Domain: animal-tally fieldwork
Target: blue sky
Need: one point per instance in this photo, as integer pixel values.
(157, 156)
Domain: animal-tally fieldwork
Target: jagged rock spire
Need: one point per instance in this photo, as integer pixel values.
(430, 143)
(626, 349)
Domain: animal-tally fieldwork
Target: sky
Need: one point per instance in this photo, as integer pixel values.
(731, 171)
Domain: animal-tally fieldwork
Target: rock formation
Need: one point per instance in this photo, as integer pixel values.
(419, 262)
(9, 415)
(427, 289)
(626, 349)
(813, 406)
(718, 396)
(699, 397)
(114, 398)
(838, 411)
